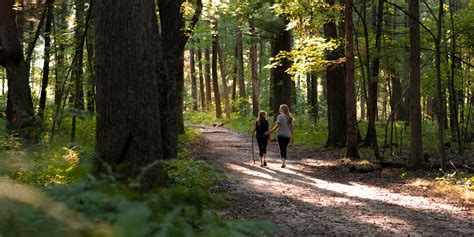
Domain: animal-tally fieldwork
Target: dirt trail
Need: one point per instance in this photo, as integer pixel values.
(313, 195)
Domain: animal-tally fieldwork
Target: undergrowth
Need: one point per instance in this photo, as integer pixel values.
(48, 190)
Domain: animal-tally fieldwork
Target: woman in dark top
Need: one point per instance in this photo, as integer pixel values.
(262, 126)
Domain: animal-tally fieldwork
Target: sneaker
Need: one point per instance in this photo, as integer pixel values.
(261, 165)
(283, 166)
(264, 163)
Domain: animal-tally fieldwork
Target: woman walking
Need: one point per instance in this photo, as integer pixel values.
(285, 136)
(262, 126)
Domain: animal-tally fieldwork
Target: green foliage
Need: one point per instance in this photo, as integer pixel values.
(50, 192)
(200, 118)
(187, 141)
(462, 178)
(102, 208)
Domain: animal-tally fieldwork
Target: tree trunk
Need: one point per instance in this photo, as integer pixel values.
(281, 81)
(240, 71)
(47, 46)
(416, 144)
(254, 70)
(201, 80)
(20, 113)
(455, 97)
(90, 97)
(193, 78)
(234, 75)
(352, 151)
(223, 74)
(128, 95)
(371, 136)
(77, 70)
(313, 99)
(174, 39)
(336, 96)
(207, 76)
(439, 88)
(215, 82)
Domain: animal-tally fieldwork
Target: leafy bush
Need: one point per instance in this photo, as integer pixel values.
(107, 208)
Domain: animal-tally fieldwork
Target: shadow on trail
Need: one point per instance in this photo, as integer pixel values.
(301, 202)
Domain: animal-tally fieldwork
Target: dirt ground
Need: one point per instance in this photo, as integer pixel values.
(313, 195)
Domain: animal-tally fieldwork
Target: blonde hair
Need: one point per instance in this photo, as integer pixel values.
(261, 115)
(286, 110)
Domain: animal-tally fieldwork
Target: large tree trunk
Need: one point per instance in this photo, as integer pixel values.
(254, 70)
(128, 95)
(352, 151)
(20, 113)
(416, 144)
(202, 94)
(192, 66)
(77, 70)
(281, 81)
(220, 51)
(207, 76)
(172, 30)
(215, 82)
(336, 87)
(47, 46)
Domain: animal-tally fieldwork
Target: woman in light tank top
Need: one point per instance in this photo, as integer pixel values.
(285, 136)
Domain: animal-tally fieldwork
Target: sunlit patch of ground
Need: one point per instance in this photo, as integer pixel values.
(313, 196)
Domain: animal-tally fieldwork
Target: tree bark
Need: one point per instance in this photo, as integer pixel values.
(172, 33)
(254, 70)
(240, 71)
(207, 76)
(223, 73)
(336, 96)
(201, 80)
(371, 136)
(439, 88)
(215, 82)
(313, 96)
(47, 46)
(281, 81)
(90, 96)
(128, 95)
(77, 70)
(416, 144)
(234, 75)
(352, 151)
(20, 113)
(192, 66)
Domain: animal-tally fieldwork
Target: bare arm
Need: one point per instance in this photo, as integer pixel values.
(277, 125)
(292, 140)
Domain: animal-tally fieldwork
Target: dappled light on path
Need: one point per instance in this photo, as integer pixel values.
(316, 202)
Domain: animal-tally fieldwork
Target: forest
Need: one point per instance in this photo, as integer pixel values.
(142, 118)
